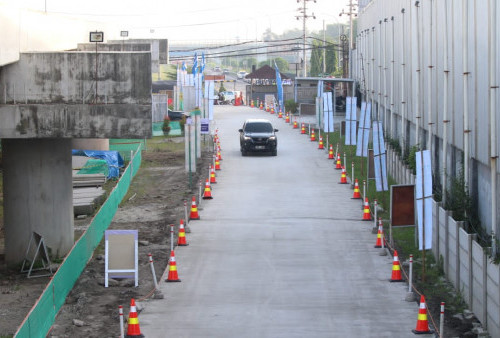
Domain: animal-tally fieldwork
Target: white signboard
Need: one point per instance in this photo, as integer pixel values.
(364, 130)
(423, 192)
(121, 255)
(350, 120)
(328, 112)
(379, 157)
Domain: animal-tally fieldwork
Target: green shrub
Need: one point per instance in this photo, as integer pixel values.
(166, 126)
(291, 106)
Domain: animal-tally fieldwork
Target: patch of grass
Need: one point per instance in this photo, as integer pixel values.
(161, 144)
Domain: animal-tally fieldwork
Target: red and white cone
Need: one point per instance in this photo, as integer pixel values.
(320, 144)
(295, 124)
(380, 235)
(133, 328)
(207, 194)
(313, 135)
(338, 163)
(303, 129)
(367, 216)
(194, 210)
(172, 269)
(356, 195)
(396, 269)
(343, 176)
(330, 153)
(422, 322)
(182, 235)
(213, 179)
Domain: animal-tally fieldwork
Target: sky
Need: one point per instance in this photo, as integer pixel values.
(199, 20)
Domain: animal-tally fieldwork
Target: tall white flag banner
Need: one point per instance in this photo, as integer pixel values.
(423, 192)
(320, 88)
(328, 112)
(379, 157)
(350, 121)
(364, 131)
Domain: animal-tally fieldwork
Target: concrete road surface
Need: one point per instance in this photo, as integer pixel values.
(280, 251)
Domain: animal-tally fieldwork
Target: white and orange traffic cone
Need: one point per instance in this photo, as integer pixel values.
(295, 124)
(367, 216)
(313, 135)
(133, 328)
(194, 210)
(280, 114)
(172, 269)
(303, 129)
(422, 323)
(356, 195)
(213, 179)
(217, 163)
(207, 193)
(287, 118)
(320, 144)
(330, 153)
(396, 269)
(343, 176)
(380, 235)
(182, 235)
(338, 163)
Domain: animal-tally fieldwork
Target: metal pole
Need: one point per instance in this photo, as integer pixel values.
(441, 321)
(304, 56)
(171, 237)
(324, 49)
(352, 177)
(429, 86)
(364, 189)
(417, 89)
(122, 329)
(153, 270)
(465, 69)
(445, 105)
(410, 274)
(493, 122)
(402, 84)
(186, 212)
(392, 134)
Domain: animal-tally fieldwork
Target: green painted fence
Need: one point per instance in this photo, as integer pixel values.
(41, 317)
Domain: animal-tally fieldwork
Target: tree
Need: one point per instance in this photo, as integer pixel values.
(316, 59)
(280, 62)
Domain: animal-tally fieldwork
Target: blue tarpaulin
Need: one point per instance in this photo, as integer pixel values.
(113, 159)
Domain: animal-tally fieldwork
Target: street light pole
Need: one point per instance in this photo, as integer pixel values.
(304, 16)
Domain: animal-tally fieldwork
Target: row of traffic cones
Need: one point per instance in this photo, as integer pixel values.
(422, 326)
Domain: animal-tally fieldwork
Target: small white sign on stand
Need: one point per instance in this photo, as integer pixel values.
(121, 254)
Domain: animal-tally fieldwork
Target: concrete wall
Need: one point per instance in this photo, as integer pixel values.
(375, 54)
(36, 173)
(70, 78)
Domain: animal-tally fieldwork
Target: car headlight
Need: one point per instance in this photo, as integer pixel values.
(272, 138)
(247, 138)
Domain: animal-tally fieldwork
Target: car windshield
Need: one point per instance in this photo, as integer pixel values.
(258, 127)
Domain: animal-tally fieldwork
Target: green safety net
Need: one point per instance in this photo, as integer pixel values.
(125, 146)
(175, 128)
(42, 315)
(95, 166)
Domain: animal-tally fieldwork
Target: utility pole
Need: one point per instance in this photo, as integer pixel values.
(352, 7)
(303, 11)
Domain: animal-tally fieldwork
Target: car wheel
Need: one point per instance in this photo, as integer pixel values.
(274, 152)
(244, 153)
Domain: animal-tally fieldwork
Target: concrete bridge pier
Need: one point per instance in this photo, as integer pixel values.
(38, 195)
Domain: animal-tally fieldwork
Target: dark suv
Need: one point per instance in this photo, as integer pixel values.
(258, 135)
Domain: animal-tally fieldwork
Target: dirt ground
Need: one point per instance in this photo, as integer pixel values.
(155, 200)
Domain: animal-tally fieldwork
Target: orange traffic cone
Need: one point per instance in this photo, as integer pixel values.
(295, 125)
(356, 195)
(251, 104)
(287, 118)
(133, 328)
(280, 114)
(182, 235)
(194, 210)
(261, 107)
(338, 164)
(330, 153)
(213, 180)
(272, 110)
(320, 145)
(207, 194)
(380, 234)
(367, 216)
(422, 323)
(303, 129)
(172, 269)
(343, 176)
(313, 135)
(396, 269)
(217, 163)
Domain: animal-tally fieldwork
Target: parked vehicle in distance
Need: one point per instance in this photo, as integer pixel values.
(227, 97)
(225, 71)
(217, 69)
(176, 115)
(241, 74)
(258, 135)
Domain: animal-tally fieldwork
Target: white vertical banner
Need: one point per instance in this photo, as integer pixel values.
(209, 98)
(364, 131)
(379, 157)
(350, 121)
(328, 112)
(320, 89)
(423, 192)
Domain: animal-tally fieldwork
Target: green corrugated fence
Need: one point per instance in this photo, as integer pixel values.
(42, 315)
